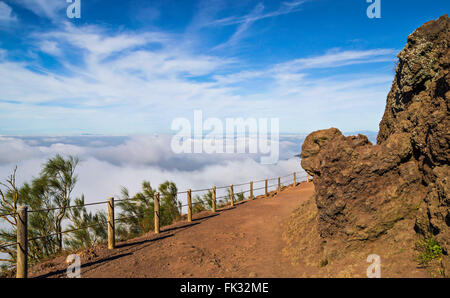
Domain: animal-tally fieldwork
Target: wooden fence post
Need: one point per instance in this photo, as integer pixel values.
(295, 180)
(267, 188)
(214, 199)
(22, 242)
(279, 184)
(156, 214)
(111, 225)
(251, 190)
(231, 196)
(189, 202)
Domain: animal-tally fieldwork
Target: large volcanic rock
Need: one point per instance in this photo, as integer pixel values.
(363, 190)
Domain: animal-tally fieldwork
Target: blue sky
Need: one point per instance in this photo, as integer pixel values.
(131, 67)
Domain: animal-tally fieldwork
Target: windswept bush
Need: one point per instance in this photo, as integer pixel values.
(50, 192)
(137, 215)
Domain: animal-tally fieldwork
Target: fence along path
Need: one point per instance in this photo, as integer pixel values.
(22, 212)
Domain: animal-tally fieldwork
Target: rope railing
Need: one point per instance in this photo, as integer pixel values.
(7, 245)
(229, 198)
(66, 232)
(241, 184)
(68, 207)
(129, 217)
(127, 199)
(199, 190)
(222, 187)
(8, 214)
(258, 188)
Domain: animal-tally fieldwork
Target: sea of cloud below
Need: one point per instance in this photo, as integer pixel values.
(108, 163)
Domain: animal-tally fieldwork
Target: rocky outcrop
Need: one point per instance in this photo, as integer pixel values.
(363, 190)
(418, 104)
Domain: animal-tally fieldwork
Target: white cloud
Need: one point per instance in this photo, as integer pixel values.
(290, 70)
(246, 21)
(103, 170)
(50, 47)
(137, 83)
(244, 25)
(6, 14)
(337, 58)
(97, 42)
(257, 14)
(135, 77)
(45, 8)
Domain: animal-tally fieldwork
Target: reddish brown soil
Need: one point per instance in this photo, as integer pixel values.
(244, 241)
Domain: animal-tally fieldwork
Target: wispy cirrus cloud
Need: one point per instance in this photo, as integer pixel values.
(244, 22)
(136, 82)
(50, 47)
(290, 70)
(51, 9)
(106, 73)
(259, 14)
(337, 58)
(244, 25)
(6, 13)
(147, 75)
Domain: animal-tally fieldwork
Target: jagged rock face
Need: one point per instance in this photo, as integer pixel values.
(418, 103)
(362, 190)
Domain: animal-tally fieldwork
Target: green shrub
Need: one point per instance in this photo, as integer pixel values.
(429, 250)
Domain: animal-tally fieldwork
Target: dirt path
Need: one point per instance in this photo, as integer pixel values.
(244, 241)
